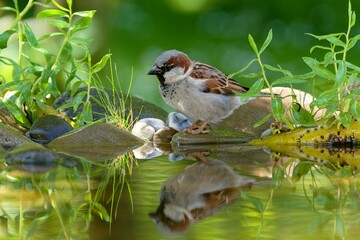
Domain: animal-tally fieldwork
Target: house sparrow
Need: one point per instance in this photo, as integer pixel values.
(200, 91)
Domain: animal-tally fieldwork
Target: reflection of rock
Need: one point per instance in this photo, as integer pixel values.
(48, 127)
(97, 141)
(139, 107)
(10, 137)
(200, 191)
(31, 157)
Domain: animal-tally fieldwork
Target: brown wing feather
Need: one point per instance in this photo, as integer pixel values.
(216, 81)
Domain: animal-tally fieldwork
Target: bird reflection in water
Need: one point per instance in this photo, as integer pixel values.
(203, 189)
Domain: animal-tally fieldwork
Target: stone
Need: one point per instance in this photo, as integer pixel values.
(10, 137)
(96, 141)
(216, 136)
(48, 127)
(248, 114)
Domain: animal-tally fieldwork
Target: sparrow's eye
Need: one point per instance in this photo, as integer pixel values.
(167, 67)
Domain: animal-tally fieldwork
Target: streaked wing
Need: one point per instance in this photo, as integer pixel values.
(216, 81)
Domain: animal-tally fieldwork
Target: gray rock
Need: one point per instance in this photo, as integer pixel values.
(96, 141)
(10, 137)
(47, 128)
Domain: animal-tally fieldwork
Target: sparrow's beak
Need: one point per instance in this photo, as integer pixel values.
(155, 71)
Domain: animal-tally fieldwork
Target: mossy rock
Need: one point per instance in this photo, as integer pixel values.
(338, 145)
(316, 136)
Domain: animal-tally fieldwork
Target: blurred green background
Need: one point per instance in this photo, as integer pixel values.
(210, 31)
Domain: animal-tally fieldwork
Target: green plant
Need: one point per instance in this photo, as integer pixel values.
(339, 102)
(38, 73)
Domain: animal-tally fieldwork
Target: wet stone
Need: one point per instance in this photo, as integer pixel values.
(216, 136)
(10, 137)
(96, 141)
(47, 128)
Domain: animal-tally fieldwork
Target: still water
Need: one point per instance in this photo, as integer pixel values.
(229, 192)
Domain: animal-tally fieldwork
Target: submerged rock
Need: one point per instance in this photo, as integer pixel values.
(47, 128)
(96, 141)
(10, 137)
(31, 157)
(139, 108)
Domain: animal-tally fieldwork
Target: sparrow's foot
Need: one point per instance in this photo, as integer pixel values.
(197, 127)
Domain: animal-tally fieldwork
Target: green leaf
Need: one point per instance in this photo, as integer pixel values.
(352, 16)
(78, 99)
(341, 73)
(267, 41)
(253, 44)
(84, 21)
(243, 69)
(86, 115)
(256, 202)
(320, 47)
(17, 113)
(60, 24)
(262, 121)
(251, 75)
(355, 108)
(101, 64)
(89, 14)
(326, 99)
(275, 69)
(4, 38)
(288, 80)
(318, 68)
(345, 119)
(254, 90)
(69, 3)
(101, 210)
(303, 117)
(8, 9)
(277, 108)
(336, 41)
(30, 36)
(324, 37)
(52, 13)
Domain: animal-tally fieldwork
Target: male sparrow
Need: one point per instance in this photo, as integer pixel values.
(200, 91)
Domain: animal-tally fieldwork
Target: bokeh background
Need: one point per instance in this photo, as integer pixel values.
(210, 31)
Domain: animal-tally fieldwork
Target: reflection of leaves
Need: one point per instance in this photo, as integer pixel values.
(277, 177)
(325, 197)
(301, 169)
(254, 201)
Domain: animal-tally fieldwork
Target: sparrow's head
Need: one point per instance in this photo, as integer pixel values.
(171, 66)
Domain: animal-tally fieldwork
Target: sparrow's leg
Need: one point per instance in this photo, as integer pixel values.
(196, 128)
